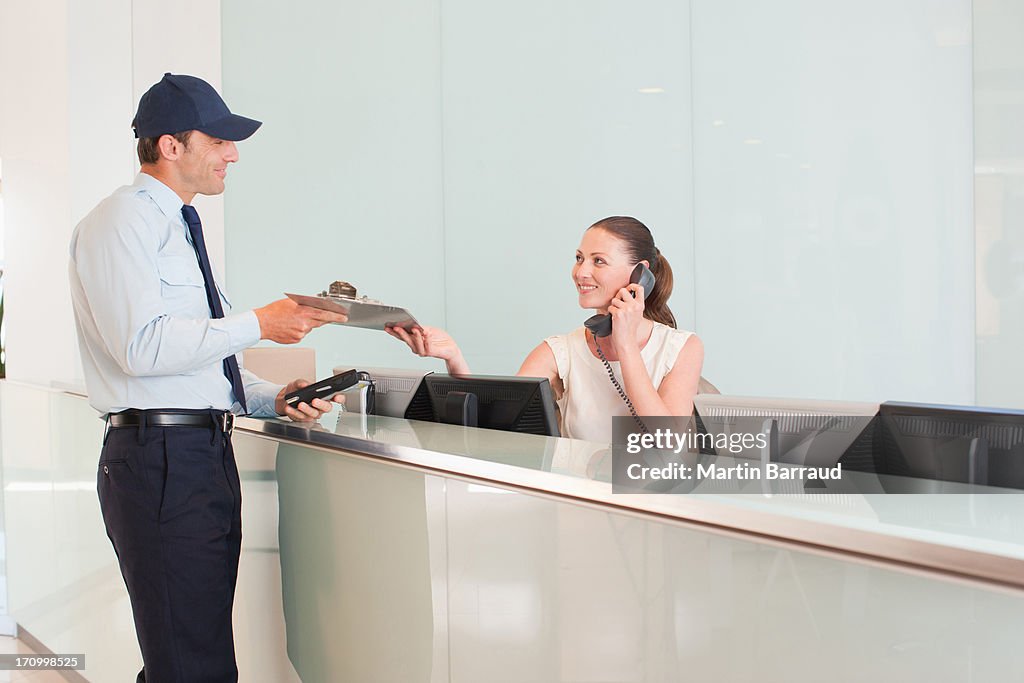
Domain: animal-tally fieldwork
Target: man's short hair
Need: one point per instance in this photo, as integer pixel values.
(149, 150)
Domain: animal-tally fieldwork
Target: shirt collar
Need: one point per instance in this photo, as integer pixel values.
(166, 198)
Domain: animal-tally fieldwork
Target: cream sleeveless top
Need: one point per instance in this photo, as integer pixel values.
(589, 400)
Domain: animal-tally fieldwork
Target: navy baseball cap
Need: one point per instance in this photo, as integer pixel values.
(179, 103)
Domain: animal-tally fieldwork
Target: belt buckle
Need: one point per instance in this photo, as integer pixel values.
(227, 423)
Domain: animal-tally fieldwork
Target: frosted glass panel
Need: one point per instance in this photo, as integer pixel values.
(832, 148)
(805, 167)
(543, 590)
(452, 169)
(343, 181)
(999, 199)
(567, 113)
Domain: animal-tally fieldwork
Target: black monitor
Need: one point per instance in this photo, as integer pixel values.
(951, 443)
(512, 404)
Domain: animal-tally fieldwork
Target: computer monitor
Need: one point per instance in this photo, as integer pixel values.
(809, 432)
(951, 443)
(513, 404)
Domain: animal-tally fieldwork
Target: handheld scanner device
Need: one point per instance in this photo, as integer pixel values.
(325, 388)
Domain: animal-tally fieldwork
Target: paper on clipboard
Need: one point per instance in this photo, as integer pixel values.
(370, 315)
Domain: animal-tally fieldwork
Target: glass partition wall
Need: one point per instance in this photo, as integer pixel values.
(999, 200)
(807, 171)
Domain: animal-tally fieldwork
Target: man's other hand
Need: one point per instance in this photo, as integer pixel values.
(304, 412)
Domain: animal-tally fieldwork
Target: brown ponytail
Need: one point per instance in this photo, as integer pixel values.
(656, 304)
(640, 246)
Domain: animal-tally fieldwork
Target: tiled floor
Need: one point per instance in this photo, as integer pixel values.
(14, 646)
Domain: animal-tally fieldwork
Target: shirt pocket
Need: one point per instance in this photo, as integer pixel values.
(181, 286)
(180, 271)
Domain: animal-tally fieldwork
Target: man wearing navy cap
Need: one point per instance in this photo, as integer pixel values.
(158, 343)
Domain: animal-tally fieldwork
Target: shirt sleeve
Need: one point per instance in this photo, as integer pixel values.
(116, 263)
(560, 350)
(673, 345)
(260, 395)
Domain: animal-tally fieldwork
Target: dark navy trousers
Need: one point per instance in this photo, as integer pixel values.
(171, 504)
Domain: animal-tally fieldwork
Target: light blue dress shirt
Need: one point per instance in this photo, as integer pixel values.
(143, 321)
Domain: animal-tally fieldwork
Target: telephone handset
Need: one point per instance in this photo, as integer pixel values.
(601, 324)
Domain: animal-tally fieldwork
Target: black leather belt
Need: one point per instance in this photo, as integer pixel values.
(213, 419)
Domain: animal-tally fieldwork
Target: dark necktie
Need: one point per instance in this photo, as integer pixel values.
(195, 228)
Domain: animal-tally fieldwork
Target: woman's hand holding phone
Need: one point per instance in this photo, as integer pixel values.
(627, 311)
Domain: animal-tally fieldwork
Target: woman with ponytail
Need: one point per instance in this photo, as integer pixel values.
(656, 366)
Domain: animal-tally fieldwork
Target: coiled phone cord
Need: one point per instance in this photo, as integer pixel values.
(618, 387)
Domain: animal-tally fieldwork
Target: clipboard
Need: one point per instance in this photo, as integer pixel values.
(364, 313)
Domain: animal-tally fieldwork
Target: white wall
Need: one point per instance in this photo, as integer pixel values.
(71, 75)
(35, 114)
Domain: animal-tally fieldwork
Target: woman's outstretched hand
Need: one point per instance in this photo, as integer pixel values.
(432, 342)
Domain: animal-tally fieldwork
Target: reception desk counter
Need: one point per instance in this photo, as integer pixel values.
(964, 531)
(377, 549)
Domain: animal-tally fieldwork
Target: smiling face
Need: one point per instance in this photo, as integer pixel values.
(602, 268)
(203, 166)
